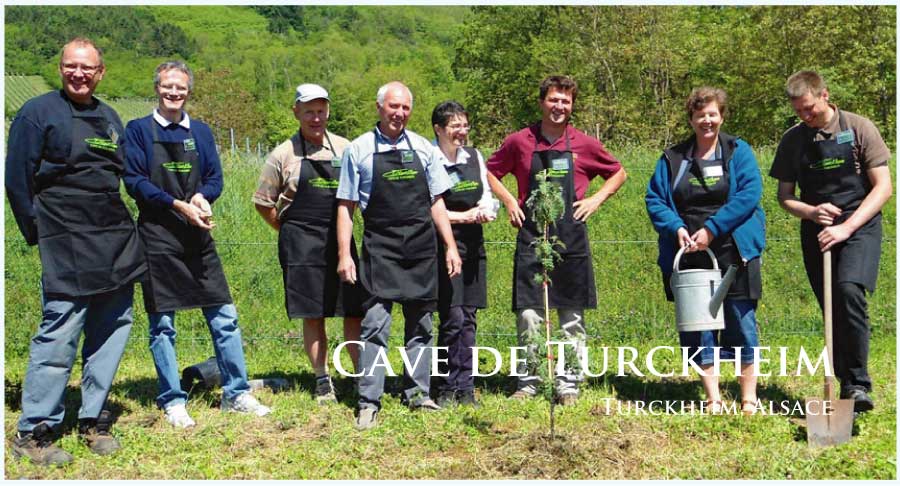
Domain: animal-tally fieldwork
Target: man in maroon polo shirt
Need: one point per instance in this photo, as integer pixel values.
(573, 159)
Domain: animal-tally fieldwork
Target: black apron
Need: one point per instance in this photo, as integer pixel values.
(701, 192)
(572, 279)
(399, 251)
(307, 245)
(185, 270)
(829, 173)
(470, 287)
(86, 237)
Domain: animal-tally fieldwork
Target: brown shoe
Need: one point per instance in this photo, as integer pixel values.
(521, 394)
(567, 399)
(96, 433)
(38, 446)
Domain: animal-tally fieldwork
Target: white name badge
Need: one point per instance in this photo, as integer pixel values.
(454, 178)
(712, 171)
(560, 164)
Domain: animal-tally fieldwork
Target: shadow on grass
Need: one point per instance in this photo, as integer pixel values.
(144, 390)
(631, 387)
(500, 384)
(71, 404)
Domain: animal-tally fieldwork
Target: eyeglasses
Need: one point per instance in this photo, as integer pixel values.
(86, 69)
(173, 88)
(456, 127)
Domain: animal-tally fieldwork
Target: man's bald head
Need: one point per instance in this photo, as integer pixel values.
(392, 86)
(81, 42)
(81, 69)
(394, 104)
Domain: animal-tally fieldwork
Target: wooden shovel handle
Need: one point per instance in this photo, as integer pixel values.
(827, 316)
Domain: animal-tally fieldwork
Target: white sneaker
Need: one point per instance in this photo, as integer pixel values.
(245, 403)
(177, 416)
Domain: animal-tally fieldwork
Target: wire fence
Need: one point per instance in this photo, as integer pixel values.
(631, 306)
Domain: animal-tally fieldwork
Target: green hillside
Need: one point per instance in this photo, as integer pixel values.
(20, 88)
(635, 64)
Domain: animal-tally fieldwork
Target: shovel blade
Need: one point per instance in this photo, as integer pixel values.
(829, 426)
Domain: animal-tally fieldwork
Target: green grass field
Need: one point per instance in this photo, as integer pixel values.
(502, 439)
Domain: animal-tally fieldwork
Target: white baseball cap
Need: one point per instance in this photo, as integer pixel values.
(308, 92)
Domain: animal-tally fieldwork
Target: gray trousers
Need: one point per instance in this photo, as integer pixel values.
(531, 321)
(105, 320)
(376, 329)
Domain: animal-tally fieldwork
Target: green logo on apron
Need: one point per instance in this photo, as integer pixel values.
(407, 156)
(400, 175)
(466, 186)
(189, 144)
(177, 167)
(707, 181)
(557, 174)
(826, 164)
(322, 183)
(101, 144)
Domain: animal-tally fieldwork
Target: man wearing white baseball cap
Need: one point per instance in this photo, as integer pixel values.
(296, 196)
(308, 92)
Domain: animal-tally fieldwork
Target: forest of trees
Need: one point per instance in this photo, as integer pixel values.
(634, 64)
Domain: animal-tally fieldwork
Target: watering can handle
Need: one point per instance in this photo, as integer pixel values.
(712, 256)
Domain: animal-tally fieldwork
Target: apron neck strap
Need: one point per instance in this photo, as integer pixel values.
(842, 122)
(303, 144)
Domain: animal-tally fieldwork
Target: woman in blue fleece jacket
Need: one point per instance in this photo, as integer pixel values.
(705, 193)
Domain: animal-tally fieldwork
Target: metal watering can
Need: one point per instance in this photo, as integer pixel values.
(699, 294)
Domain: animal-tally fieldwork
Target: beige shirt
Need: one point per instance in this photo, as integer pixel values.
(281, 172)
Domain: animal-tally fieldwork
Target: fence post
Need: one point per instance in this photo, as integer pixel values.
(231, 130)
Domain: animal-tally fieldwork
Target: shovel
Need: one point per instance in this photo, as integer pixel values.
(832, 422)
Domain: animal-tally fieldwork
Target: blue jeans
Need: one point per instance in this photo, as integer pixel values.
(223, 325)
(106, 321)
(740, 330)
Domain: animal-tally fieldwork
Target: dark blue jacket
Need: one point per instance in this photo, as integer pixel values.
(139, 152)
(39, 142)
(741, 215)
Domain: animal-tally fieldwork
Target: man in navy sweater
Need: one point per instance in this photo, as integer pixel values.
(63, 167)
(174, 173)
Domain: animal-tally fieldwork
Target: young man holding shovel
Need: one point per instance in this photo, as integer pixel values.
(839, 160)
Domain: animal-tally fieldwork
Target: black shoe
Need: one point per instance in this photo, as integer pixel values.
(38, 446)
(446, 398)
(467, 397)
(862, 402)
(325, 390)
(96, 433)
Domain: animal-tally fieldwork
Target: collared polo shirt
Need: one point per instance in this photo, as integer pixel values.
(357, 168)
(590, 158)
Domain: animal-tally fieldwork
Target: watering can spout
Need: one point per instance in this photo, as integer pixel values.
(719, 296)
